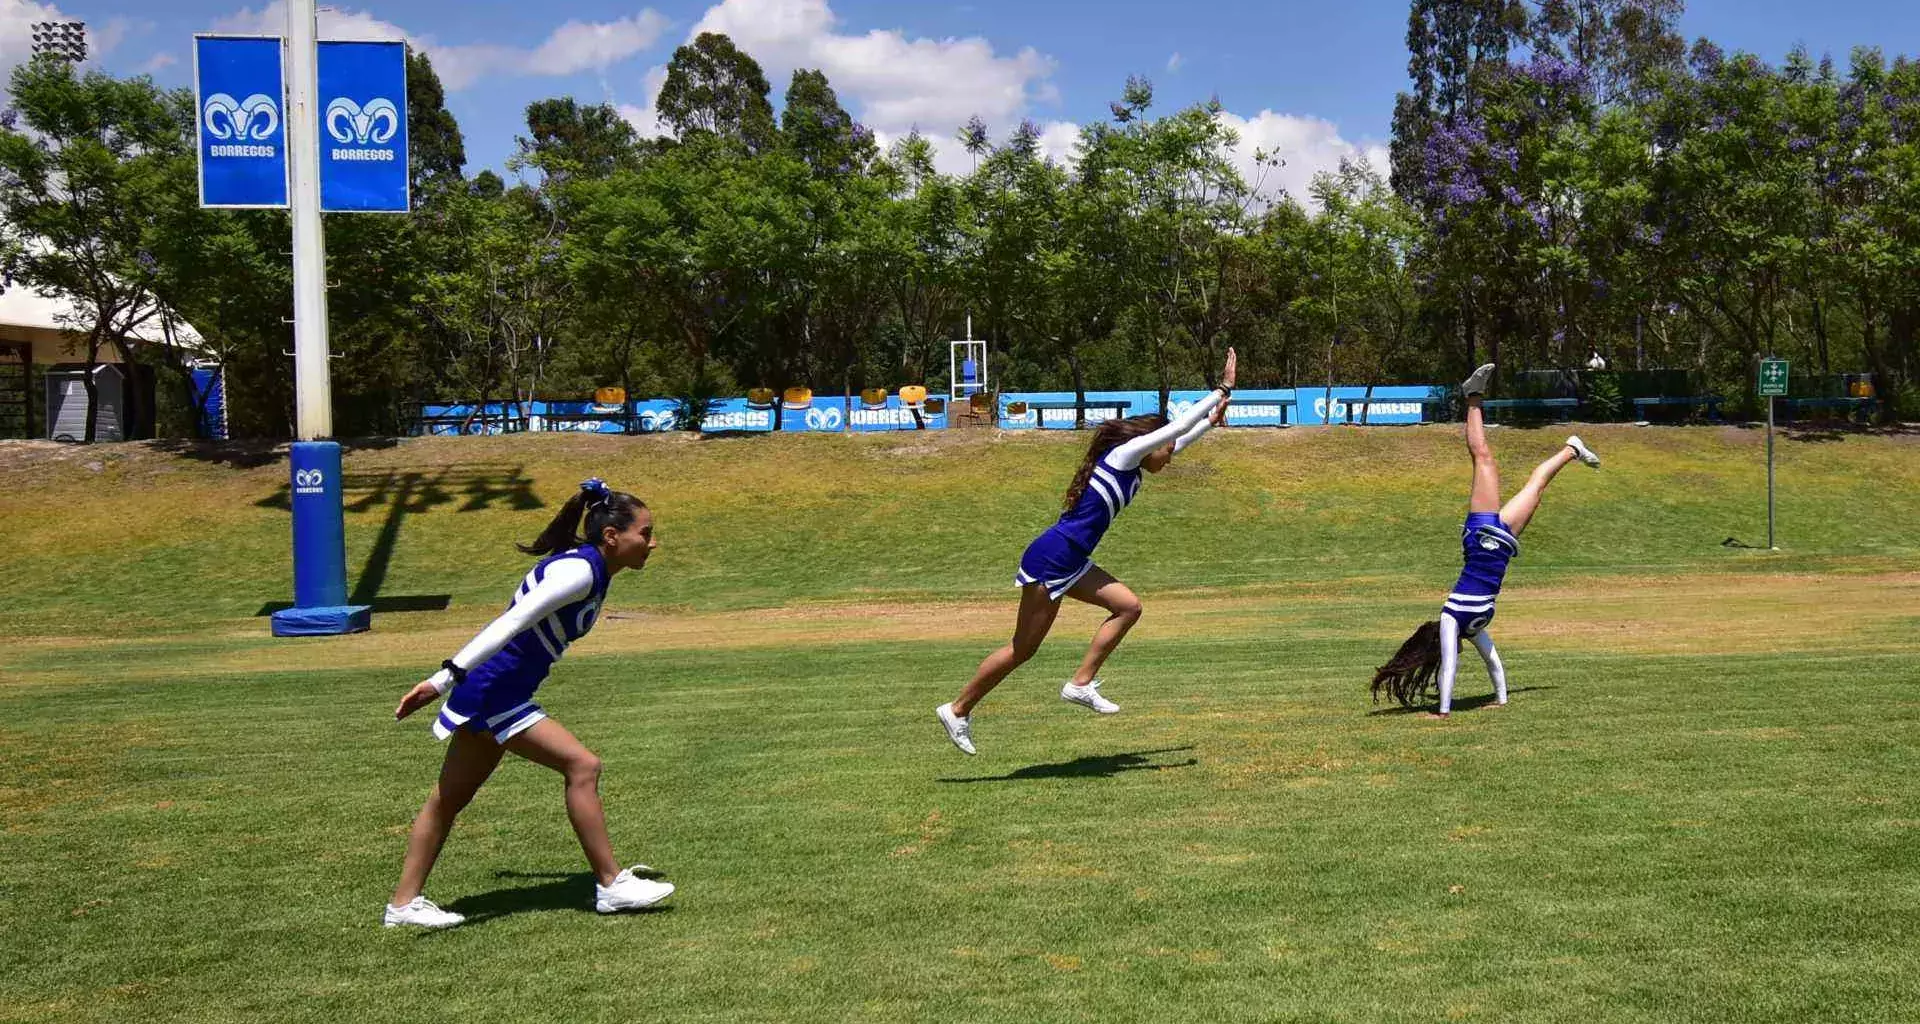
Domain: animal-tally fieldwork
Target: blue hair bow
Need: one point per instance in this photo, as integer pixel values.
(595, 488)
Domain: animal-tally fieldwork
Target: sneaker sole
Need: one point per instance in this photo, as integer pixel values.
(604, 907)
(1090, 707)
(1470, 383)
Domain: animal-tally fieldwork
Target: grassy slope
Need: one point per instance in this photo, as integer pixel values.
(150, 542)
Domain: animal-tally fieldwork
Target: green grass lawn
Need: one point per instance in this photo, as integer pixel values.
(1697, 808)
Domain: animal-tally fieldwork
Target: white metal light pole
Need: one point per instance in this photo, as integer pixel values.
(313, 388)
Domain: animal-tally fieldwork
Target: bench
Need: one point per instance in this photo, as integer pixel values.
(1351, 406)
(1040, 409)
(1692, 403)
(1852, 406)
(427, 423)
(629, 423)
(1562, 408)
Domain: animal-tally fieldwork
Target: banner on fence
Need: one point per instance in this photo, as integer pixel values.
(1049, 410)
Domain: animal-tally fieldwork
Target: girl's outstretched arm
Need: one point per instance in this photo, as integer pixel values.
(1131, 454)
(1217, 418)
(1449, 660)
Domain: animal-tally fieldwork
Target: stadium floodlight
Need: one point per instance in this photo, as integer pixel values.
(64, 40)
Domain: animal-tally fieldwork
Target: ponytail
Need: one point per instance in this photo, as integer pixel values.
(600, 505)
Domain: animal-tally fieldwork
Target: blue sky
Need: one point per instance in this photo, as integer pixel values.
(1316, 81)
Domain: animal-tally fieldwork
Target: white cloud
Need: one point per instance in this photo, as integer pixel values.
(1174, 62)
(334, 23)
(1058, 139)
(157, 63)
(893, 84)
(582, 46)
(572, 48)
(644, 120)
(1308, 145)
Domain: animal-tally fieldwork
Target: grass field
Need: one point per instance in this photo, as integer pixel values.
(1697, 808)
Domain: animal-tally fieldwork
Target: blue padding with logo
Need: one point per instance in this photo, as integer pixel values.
(352, 618)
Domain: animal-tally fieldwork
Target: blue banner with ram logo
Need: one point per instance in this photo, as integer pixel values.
(238, 101)
(363, 127)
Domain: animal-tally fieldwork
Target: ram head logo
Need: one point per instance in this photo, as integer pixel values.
(256, 117)
(374, 123)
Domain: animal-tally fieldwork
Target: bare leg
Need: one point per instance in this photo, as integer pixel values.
(1099, 588)
(1486, 476)
(470, 759)
(1518, 511)
(1037, 612)
(547, 742)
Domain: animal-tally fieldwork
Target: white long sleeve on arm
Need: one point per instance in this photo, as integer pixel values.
(1449, 660)
(566, 580)
(1130, 455)
(1494, 668)
(1180, 443)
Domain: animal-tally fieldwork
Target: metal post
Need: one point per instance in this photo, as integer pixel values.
(313, 392)
(1770, 544)
(319, 534)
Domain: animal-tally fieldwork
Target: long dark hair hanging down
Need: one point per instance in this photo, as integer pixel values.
(1106, 437)
(602, 506)
(1410, 673)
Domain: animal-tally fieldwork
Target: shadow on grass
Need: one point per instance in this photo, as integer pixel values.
(405, 492)
(560, 890)
(1459, 703)
(253, 454)
(1104, 766)
(381, 605)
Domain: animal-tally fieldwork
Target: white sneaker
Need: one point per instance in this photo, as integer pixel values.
(1477, 381)
(958, 729)
(1583, 453)
(629, 892)
(1088, 696)
(423, 913)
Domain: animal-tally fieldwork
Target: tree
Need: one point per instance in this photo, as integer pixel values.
(715, 88)
(566, 138)
(1451, 45)
(99, 164)
(925, 244)
(1190, 212)
(499, 294)
(1627, 44)
(436, 151)
(815, 129)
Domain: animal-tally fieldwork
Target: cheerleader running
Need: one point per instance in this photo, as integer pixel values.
(1060, 562)
(1490, 539)
(490, 708)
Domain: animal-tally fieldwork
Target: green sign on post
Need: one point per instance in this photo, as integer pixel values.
(1773, 378)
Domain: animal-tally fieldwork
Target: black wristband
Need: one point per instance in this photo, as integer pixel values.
(459, 674)
(1228, 391)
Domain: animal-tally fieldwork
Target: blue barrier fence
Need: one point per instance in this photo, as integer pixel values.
(1263, 407)
(1047, 410)
(827, 414)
